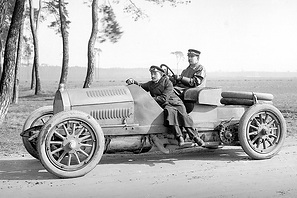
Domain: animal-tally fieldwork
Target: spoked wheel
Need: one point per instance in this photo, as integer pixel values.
(33, 124)
(71, 144)
(262, 131)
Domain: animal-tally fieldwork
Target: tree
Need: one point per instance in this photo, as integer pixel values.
(15, 94)
(7, 78)
(179, 56)
(65, 35)
(91, 45)
(34, 30)
(6, 9)
(110, 31)
(61, 26)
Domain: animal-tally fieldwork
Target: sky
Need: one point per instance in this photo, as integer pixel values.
(232, 35)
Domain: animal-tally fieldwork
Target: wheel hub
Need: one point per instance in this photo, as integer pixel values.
(71, 144)
(264, 130)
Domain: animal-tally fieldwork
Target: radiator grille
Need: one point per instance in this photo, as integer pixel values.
(106, 93)
(104, 114)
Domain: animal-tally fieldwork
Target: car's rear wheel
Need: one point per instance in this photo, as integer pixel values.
(70, 144)
(37, 118)
(262, 131)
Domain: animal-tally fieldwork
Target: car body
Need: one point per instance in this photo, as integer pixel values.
(83, 124)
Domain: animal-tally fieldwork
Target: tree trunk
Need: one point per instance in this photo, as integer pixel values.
(91, 44)
(65, 35)
(34, 30)
(2, 19)
(15, 95)
(6, 83)
(33, 75)
(1, 57)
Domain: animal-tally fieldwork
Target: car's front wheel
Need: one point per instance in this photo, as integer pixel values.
(70, 144)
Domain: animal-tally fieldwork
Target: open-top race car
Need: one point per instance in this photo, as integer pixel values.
(70, 137)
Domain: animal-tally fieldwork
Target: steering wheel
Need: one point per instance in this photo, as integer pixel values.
(168, 71)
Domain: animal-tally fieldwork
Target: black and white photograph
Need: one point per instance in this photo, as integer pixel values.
(148, 98)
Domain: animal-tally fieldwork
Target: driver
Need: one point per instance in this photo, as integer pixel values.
(193, 76)
(175, 115)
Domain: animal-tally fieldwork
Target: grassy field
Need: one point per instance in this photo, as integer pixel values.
(283, 89)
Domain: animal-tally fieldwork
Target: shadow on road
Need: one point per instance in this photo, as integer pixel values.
(31, 169)
(152, 158)
(23, 169)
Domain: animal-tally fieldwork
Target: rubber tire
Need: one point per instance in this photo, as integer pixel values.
(51, 124)
(241, 101)
(30, 121)
(242, 130)
(246, 95)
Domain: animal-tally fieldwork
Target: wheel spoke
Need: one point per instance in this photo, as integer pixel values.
(59, 135)
(273, 136)
(87, 145)
(69, 159)
(73, 129)
(42, 120)
(257, 122)
(258, 142)
(77, 158)
(273, 128)
(84, 138)
(62, 156)
(254, 127)
(80, 131)
(264, 144)
(57, 150)
(268, 140)
(270, 123)
(255, 139)
(84, 153)
(56, 142)
(266, 117)
(261, 119)
(66, 130)
(253, 132)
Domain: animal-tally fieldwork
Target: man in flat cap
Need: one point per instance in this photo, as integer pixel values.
(175, 114)
(193, 76)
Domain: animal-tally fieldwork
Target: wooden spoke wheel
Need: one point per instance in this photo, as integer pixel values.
(71, 144)
(262, 131)
(35, 122)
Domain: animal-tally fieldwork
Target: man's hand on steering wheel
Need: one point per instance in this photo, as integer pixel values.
(177, 77)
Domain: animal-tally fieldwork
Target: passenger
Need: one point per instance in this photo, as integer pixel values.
(193, 76)
(175, 115)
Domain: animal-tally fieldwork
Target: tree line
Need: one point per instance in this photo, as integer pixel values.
(16, 45)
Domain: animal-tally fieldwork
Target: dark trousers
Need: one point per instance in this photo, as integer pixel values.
(176, 131)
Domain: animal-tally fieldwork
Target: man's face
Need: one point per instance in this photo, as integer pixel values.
(155, 76)
(192, 59)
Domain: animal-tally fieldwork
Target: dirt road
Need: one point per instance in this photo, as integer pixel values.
(226, 172)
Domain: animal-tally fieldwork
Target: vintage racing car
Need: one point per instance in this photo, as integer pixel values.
(70, 137)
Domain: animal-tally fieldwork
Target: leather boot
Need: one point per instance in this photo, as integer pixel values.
(198, 140)
(181, 141)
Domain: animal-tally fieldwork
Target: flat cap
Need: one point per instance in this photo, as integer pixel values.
(154, 68)
(193, 52)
